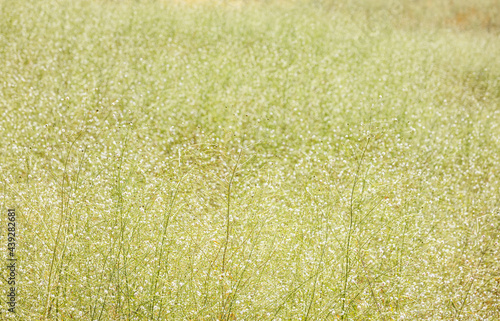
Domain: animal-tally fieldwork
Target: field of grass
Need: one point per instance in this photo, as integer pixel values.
(251, 160)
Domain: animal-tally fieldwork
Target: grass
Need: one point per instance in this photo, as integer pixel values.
(314, 160)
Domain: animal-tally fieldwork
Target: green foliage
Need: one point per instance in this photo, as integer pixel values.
(314, 160)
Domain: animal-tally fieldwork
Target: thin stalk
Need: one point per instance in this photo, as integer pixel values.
(347, 265)
(228, 230)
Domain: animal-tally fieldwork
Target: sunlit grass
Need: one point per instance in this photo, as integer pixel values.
(243, 161)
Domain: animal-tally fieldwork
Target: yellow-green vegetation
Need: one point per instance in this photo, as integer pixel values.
(231, 160)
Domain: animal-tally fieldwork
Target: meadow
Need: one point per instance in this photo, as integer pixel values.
(251, 160)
